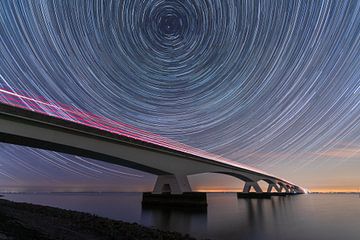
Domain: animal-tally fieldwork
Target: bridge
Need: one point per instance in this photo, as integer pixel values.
(45, 125)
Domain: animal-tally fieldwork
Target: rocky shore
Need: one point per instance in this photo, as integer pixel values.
(23, 221)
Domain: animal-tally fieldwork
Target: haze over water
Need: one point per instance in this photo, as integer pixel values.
(311, 216)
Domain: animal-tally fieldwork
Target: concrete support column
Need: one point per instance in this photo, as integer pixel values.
(283, 187)
(174, 184)
(287, 189)
(273, 185)
(248, 185)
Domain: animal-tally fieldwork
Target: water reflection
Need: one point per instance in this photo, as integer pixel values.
(181, 220)
(227, 218)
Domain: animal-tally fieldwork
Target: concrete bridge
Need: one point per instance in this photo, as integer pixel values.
(39, 130)
(24, 127)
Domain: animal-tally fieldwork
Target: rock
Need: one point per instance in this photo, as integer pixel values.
(4, 237)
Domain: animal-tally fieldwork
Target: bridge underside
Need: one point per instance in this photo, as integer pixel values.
(176, 184)
(165, 183)
(26, 128)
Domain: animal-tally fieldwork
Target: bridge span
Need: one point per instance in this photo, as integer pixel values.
(171, 162)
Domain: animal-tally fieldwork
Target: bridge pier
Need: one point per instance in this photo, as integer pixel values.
(288, 190)
(249, 185)
(284, 187)
(271, 186)
(257, 194)
(174, 191)
(279, 187)
(173, 184)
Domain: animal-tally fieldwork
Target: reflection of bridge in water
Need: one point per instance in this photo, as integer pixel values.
(42, 124)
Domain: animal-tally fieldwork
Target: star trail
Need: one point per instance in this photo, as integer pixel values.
(270, 84)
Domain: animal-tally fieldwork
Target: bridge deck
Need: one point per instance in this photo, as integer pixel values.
(31, 112)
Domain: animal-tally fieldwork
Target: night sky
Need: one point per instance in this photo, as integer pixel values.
(271, 84)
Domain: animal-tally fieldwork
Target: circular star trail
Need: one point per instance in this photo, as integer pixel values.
(264, 83)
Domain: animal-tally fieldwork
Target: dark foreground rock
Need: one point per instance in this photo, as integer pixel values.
(23, 221)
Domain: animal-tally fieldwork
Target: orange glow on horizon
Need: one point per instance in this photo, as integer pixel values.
(207, 189)
(322, 190)
(335, 189)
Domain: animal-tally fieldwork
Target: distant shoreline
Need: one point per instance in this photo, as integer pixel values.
(23, 221)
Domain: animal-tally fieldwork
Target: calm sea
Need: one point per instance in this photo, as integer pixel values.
(313, 216)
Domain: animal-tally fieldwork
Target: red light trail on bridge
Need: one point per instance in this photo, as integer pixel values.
(69, 113)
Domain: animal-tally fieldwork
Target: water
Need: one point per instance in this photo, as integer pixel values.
(314, 216)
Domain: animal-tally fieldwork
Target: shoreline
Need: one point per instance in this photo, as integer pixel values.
(29, 221)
